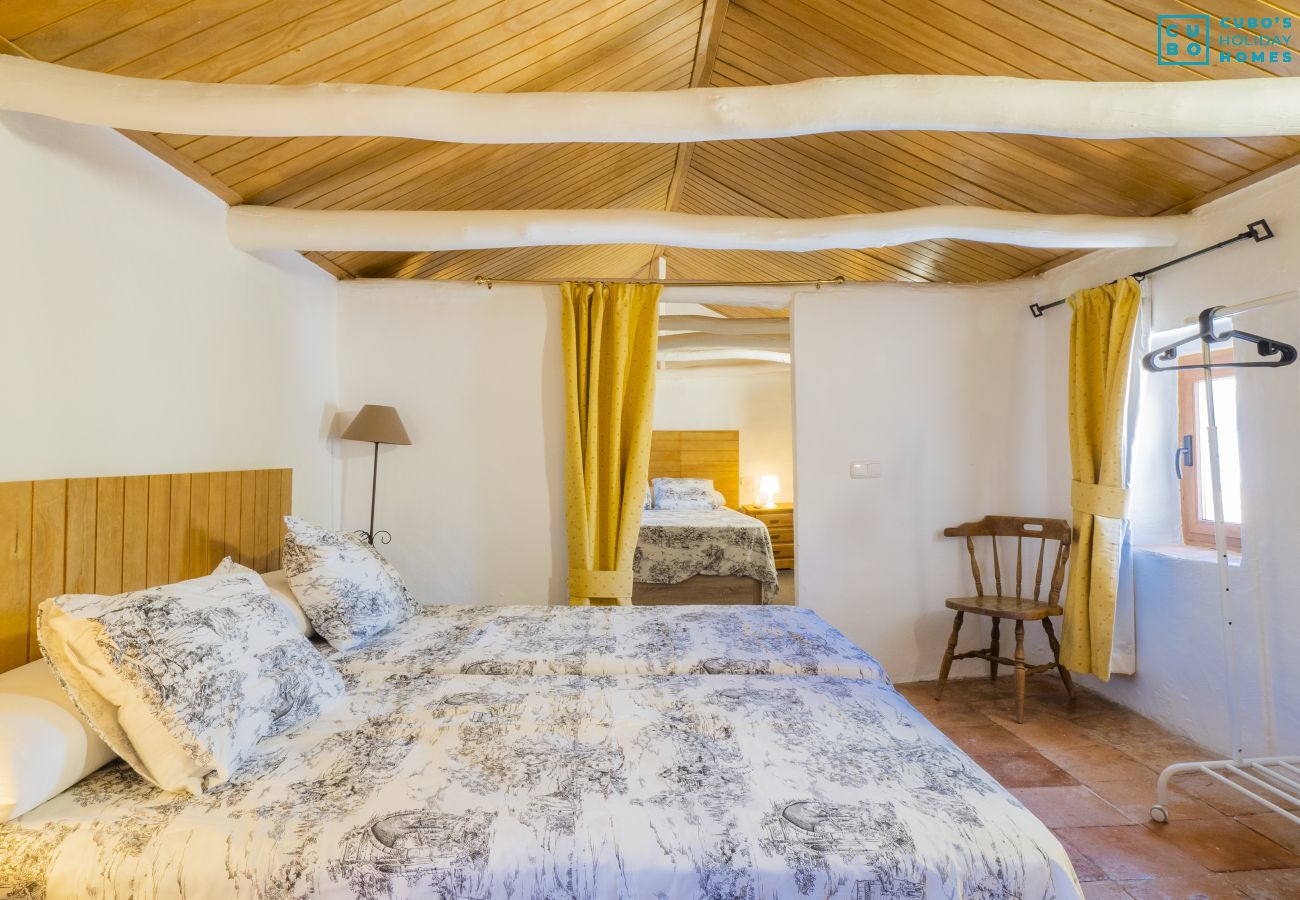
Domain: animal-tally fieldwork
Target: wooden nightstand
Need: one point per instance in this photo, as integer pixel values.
(780, 527)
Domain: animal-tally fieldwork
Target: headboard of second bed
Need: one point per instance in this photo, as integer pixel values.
(699, 454)
(115, 534)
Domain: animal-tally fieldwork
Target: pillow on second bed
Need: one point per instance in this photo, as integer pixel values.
(183, 680)
(683, 493)
(348, 590)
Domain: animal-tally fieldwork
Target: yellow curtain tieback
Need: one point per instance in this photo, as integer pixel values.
(600, 583)
(1099, 500)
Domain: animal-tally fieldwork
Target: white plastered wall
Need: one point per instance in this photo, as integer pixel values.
(940, 384)
(136, 339)
(1180, 656)
(476, 503)
(757, 404)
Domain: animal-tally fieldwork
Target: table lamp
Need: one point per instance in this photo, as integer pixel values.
(376, 425)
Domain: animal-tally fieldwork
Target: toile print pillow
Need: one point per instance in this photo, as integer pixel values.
(183, 680)
(683, 493)
(649, 497)
(348, 590)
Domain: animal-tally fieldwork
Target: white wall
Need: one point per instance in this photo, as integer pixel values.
(135, 338)
(476, 504)
(942, 385)
(1180, 677)
(757, 404)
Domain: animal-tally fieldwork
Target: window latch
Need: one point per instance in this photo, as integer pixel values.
(1183, 457)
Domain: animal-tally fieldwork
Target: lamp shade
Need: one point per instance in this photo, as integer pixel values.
(377, 425)
(768, 484)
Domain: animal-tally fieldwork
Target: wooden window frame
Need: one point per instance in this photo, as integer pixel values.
(1199, 532)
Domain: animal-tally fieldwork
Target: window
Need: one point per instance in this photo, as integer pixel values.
(1196, 489)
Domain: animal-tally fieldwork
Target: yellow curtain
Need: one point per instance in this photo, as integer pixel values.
(610, 336)
(1101, 342)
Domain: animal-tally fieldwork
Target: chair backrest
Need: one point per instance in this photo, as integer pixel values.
(1019, 527)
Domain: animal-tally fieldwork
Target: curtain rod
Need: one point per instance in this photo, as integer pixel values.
(816, 282)
(1256, 231)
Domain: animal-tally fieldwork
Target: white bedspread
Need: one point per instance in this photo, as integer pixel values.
(624, 640)
(674, 545)
(469, 786)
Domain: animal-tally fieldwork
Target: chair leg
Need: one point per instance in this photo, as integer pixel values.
(947, 656)
(1056, 655)
(993, 649)
(1020, 671)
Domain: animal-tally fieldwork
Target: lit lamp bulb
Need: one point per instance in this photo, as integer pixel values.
(771, 486)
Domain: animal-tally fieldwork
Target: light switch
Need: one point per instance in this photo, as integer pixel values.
(864, 469)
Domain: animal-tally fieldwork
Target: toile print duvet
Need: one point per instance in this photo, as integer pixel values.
(469, 787)
(676, 544)
(621, 640)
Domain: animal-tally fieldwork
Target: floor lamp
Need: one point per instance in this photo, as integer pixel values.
(376, 425)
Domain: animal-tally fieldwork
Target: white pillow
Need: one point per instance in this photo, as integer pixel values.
(45, 744)
(719, 500)
(683, 493)
(649, 502)
(183, 680)
(277, 583)
(347, 589)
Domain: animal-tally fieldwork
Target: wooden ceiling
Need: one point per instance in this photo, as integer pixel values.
(634, 45)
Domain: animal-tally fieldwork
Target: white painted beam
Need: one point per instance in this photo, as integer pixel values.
(724, 353)
(702, 341)
(723, 325)
(277, 228)
(1230, 107)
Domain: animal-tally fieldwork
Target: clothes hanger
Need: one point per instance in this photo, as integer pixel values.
(1284, 354)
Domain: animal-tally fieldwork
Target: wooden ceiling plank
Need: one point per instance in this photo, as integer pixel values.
(393, 186)
(606, 192)
(963, 164)
(334, 27)
(305, 192)
(1178, 150)
(314, 187)
(554, 181)
(541, 59)
(593, 193)
(588, 24)
(630, 189)
(787, 76)
(359, 54)
(1127, 23)
(281, 25)
(159, 32)
(788, 191)
(90, 25)
(468, 66)
(17, 20)
(713, 15)
(703, 194)
(1006, 175)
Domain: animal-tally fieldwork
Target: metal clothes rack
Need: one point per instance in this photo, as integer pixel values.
(1255, 231)
(1269, 779)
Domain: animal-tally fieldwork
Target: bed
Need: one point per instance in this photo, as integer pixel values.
(702, 555)
(551, 752)
(476, 786)
(621, 640)
(675, 546)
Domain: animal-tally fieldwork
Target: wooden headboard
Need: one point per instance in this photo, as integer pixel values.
(109, 535)
(699, 454)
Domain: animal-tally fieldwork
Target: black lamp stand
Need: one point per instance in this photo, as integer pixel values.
(383, 536)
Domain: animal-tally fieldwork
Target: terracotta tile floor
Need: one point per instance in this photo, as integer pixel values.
(1089, 772)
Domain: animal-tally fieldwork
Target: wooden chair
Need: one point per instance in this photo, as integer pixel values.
(1012, 606)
